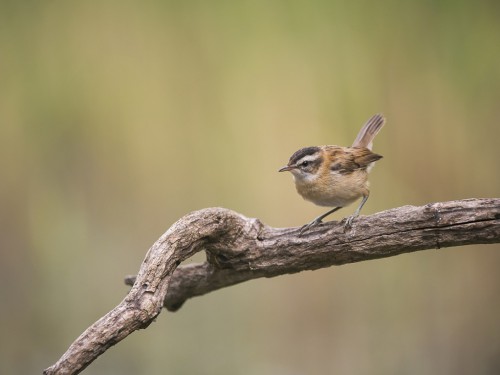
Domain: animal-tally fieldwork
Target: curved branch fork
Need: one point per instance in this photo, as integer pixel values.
(240, 249)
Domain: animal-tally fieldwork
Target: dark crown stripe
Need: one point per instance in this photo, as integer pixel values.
(303, 152)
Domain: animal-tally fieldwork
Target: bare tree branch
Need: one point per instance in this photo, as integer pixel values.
(240, 249)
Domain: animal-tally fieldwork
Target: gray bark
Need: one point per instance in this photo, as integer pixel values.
(240, 249)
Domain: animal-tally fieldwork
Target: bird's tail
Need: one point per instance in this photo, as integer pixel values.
(369, 131)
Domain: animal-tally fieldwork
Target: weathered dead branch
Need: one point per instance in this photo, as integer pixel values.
(240, 249)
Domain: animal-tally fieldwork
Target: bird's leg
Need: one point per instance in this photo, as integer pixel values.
(350, 219)
(317, 221)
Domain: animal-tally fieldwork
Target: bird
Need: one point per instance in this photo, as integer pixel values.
(336, 176)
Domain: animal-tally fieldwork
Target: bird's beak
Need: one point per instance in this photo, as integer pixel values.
(286, 168)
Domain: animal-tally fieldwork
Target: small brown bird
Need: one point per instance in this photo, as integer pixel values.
(335, 176)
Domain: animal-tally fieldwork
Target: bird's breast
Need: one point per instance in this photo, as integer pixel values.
(334, 189)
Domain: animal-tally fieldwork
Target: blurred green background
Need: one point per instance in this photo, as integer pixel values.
(119, 117)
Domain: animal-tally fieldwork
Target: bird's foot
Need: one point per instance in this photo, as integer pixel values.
(310, 225)
(348, 222)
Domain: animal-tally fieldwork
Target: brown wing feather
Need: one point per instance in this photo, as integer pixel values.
(365, 157)
(352, 159)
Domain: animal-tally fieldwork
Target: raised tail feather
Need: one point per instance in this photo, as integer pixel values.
(369, 131)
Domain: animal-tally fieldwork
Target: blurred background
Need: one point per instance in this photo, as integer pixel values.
(119, 117)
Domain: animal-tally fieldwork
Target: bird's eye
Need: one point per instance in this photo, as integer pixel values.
(304, 163)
